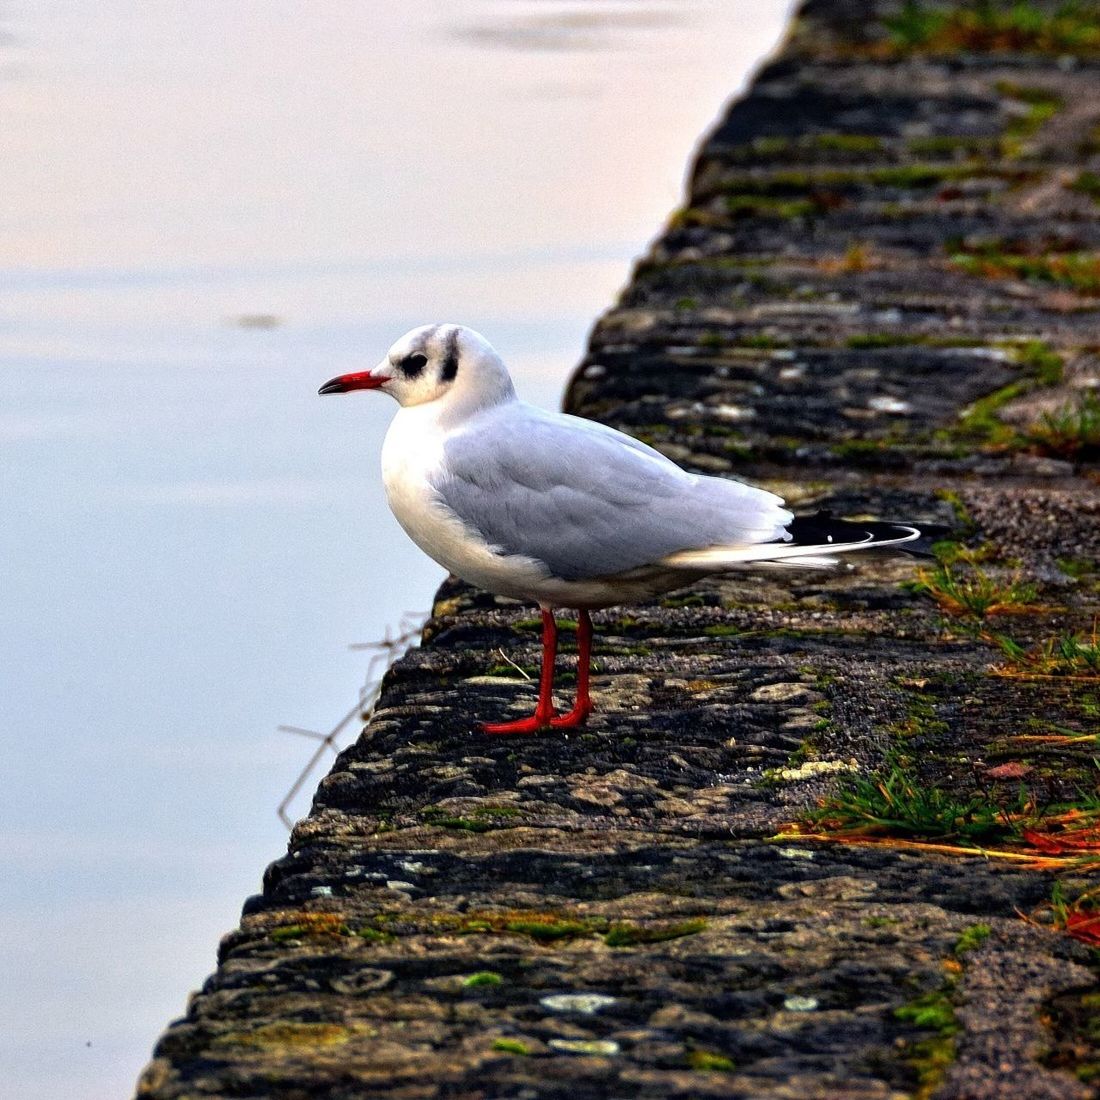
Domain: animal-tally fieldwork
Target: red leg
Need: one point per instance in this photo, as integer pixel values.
(544, 711)
(582, 708)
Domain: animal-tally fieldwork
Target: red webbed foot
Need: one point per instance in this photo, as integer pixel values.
(576, 717)
(530, 725)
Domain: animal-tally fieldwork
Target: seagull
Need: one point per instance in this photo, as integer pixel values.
(562, 511)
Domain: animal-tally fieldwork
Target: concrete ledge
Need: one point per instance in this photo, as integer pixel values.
(881, 297)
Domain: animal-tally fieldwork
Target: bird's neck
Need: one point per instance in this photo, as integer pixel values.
(462, 404)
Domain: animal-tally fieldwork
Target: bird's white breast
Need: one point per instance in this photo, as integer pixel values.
(412, 463)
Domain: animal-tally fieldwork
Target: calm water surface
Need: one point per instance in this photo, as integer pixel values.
(206, 210)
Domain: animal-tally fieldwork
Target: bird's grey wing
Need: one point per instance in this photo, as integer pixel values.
(588, 501)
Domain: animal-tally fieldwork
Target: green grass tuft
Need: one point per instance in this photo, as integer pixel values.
(1072, 431)
(965, 590)
(1075, 655)
(897, 802)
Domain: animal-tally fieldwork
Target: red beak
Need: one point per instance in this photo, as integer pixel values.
(364, 380)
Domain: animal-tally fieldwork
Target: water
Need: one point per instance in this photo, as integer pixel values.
(206, 210)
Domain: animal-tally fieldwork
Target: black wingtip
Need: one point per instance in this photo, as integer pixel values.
(822, 528)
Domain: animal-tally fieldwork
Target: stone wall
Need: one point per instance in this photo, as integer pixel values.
(759, 871)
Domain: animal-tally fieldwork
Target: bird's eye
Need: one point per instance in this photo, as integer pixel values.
(412, 365)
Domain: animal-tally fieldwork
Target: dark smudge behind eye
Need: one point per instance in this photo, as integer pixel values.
(450, 360)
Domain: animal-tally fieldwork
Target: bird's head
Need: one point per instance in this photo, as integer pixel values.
(447, 363)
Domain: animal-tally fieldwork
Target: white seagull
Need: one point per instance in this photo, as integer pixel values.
(562, 511)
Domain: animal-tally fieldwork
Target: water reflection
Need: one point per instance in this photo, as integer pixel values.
(587, 27)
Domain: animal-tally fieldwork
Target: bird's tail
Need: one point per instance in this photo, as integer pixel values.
(812, 542)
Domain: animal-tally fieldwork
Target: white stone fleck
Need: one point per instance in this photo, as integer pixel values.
(809, 769)
(584, 1046)
(585, 1003)
(398, 884)
(412, 866)
(321, 892)
(998, 355)
(800, 1004)
(885, 403)
(733, 412)
(681, 412)
(795, 853)
(596, 370)
(784, 693)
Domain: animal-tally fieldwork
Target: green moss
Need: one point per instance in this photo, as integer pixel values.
(508, 671)
(773, 147)
(881, 340)
(375, 935)
(846, 143)
(1077, 567)
(810, 190)
(1042, 104)
(993, 26)
(551, 929)
(962, 515)
(858, 448)
(1077, 271)
(972, 937)
(765, 341)
(511, 1046)
(980, 419)
(533, 624)
(932, 1058)
(921, 719)
(943, 145)
(722, 630)
(707, 1061)
(311, 924)
(630, 935)
(540, 926)
(288, 1034)
(480, 820)
(464, 824)
(1041, 362)
(931, 1010)
(770, 146)
(764, 206)
(482, 979)
(683, 601)
(1087, 183)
